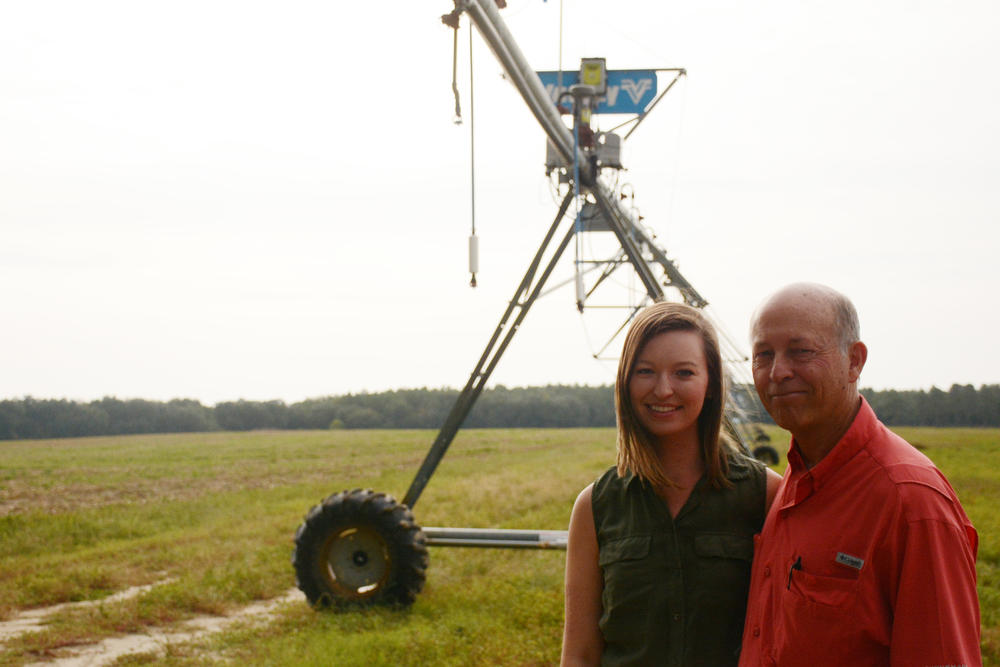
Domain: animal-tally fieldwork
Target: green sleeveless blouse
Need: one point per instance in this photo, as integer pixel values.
(675, 590)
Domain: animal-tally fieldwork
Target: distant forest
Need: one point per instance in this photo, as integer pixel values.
(500, 407)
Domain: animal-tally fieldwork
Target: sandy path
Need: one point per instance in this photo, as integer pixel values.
(35, 619)
(154, 640)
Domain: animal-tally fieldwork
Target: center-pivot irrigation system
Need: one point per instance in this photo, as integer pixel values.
(365, 547)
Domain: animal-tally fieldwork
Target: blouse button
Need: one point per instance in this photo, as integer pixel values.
(756, 631)
(767, 571)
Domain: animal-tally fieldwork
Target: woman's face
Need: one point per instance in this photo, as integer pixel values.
(668, 385)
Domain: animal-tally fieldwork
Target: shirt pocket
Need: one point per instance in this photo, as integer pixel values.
(624, 549)
(811, 605)
(718, 585)
(837, 593)
(633, 583)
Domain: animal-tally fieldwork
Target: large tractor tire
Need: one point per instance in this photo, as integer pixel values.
(766, 454)
(360, 547)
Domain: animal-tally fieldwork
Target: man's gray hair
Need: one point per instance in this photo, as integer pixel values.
(845, 317)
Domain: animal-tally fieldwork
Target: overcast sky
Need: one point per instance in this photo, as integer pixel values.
(222, 200)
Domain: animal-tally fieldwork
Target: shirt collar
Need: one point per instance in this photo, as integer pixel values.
(857, 436)
(630, 478)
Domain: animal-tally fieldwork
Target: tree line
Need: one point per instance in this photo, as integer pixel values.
(499, 407)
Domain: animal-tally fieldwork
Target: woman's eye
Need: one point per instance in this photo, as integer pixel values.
(685, 373)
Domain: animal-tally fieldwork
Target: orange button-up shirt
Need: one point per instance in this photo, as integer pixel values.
(867, 558)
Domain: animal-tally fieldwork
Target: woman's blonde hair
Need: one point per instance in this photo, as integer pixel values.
(636, 447)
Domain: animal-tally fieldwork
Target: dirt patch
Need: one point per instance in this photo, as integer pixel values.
(157, 641)
(151, 641)
(34, 619)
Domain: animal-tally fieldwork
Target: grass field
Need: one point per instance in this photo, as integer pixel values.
(208, 519)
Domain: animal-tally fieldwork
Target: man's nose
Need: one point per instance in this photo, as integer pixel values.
(781, 369)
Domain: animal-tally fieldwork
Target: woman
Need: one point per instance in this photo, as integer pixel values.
(658, 564)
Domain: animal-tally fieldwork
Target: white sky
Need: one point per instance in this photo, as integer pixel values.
(223, 200)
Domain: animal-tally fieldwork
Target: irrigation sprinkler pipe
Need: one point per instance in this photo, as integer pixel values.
(497, 538)
(486, 16)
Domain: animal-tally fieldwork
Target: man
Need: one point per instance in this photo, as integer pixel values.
(866, 557)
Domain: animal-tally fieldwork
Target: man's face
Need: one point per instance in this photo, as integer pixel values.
(802, 373)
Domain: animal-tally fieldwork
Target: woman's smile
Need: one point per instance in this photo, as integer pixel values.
(668, 384)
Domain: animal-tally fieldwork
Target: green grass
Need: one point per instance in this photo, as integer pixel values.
(213, 515)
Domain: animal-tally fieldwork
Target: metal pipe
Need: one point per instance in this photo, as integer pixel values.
(496, 538)
(486, 16)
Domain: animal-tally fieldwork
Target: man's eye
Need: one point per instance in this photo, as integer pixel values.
(762, 355)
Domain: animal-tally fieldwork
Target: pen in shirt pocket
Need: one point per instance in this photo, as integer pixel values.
(797, 565)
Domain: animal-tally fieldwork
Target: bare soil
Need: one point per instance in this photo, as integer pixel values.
(153, 640)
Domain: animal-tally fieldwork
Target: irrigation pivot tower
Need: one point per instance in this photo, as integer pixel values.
(365, 547)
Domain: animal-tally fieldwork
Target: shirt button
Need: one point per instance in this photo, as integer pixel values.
(756, 631)
(767, 571)
(677, 617)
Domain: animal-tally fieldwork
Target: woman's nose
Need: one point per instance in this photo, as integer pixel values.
(663, 386)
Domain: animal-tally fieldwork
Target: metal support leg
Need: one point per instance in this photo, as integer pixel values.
(494, 350)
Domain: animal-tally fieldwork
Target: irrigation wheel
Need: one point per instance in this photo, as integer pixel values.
(766, 454)
(360, 547)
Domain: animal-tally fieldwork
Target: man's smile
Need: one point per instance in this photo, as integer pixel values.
(779, 395)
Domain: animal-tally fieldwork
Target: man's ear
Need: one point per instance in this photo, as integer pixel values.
(857, 355)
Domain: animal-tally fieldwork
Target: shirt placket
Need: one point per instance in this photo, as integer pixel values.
(676, 604)
(675, 599)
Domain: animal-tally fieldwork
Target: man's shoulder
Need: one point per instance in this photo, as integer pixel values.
(902, 462)
(922, 489)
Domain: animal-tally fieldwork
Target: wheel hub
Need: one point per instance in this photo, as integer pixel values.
(357, 561)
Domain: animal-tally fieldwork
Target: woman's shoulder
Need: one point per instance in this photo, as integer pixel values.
(742, 467)
(609, 480)
(608, 474)
(611, 490)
